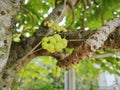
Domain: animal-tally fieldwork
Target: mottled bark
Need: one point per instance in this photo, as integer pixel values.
(91, 44)
(20, 53)
(77, 39)
(8, 11)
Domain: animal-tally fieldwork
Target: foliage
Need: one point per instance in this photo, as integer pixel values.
(34, 68)
(87, 85)
(110, 64)
(95, 14)
(39, 75)
(33, 13)
(88, 70)
(38, 72)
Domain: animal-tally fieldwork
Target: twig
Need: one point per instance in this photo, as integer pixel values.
(74, 40)
(105, 55)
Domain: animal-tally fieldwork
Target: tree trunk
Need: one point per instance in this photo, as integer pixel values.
(6, 81)
(8, 11)
(8, 72)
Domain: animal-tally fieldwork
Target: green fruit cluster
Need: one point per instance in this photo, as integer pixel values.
(56, 28)
(48, 23)
(56, 71)
(54, 43)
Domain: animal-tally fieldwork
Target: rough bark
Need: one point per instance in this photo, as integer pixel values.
(25, 46)
(90, 45)
(20, 56)
(18, 50)
(19, 53)
(82, 43)
(8, 11)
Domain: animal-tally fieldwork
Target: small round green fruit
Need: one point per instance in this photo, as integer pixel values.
(56, 71)
(55, 28)
(57, 37)
(45, 23)
(58, 47)
(51, 21)
(44, 45)
(64, 42)
(64, 30)
(50, 48)
(45, 39)
(49, 25)
(52, 40)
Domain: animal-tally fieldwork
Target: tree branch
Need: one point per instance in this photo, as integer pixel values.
(19, 50)
(81, 43)
(93, 43)
(106, 55)
(26, 45)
